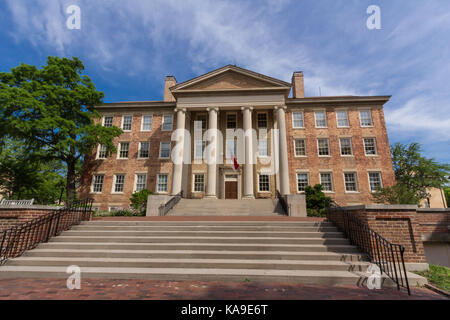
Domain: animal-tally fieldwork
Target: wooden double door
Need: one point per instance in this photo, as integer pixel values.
(231, 190)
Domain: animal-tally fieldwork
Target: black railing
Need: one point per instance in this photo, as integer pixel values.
(164, 209)
(283, 203)
(26, 236)
(387, 256)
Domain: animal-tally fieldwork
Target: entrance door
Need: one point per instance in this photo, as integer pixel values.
(231, 190)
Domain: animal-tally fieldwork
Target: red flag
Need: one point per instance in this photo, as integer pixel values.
(236, 164)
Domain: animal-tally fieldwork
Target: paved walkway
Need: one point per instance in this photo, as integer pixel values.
(91, 289)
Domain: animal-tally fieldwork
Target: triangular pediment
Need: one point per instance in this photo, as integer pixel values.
(231, 78)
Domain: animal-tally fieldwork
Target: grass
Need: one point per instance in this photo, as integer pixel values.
(438, 276)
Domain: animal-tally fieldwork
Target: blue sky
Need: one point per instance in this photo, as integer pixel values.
(128, 48)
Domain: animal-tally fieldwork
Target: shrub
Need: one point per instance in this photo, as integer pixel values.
(316, 201)
(139, 201)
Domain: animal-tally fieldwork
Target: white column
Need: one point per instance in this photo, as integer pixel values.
(178, 165)
(284, 164)
(211, 190)
(249, 156)
(276, 150)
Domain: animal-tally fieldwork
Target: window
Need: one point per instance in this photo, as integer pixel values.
(97, 184)
(124, 150)
(375, 181)
(231, 149)
(300, 147)
(201, 121)
(119, 183)
(263, 147)
(199, 182)
(350, 182)
(147, 123)
(164, 151)
(366, 118)
(262, 120)
(321, 119)
(346, 146)
(108, 121)
(370, 146)
(302, 181)
(199, 151)
(342, 119)
(298, 120)
(144, 150)
(102, 152)
(264, 183)
(324, 147)
(326, 180)
(127, 122)
(231, 121)
(141, 182)
(167, 124)
(162, 183)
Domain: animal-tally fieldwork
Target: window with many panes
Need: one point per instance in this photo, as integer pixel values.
(199, 182)
(342, 119)
(366, 118)
(147, 123)
(370, 146)
(302, 181)
(231, 121)
(119, 183)
(102, 152)
(321, 119)
(263, 147)
(346, 146)
(164, 150)
(97, 183)
(124, 150)
(262, 120)
(108, 121)
(141, 182)
(264, 183)
(298, 120)
(375, 181)
(300, 147)
(162, 183)
(324, 147)
(351, 184)
(199, 151)
(144, 150)
(326, 180)
(127, 123)
(167, 124)
(201, 121)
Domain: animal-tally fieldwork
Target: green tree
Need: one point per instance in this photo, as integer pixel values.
(447, 196)
(139, 201)
(414, 174)
(52, 110)
(316, 201)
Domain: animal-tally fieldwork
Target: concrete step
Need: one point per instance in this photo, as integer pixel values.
(195, 254)
(200, 240)
(318, 277)
(200, 246)
(137, 223)
(191, 263)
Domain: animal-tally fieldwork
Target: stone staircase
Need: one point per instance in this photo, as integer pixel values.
(214, 207)
(301, 252)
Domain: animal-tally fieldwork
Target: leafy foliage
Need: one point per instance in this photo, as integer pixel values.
(139, 201)
(52, 110)
(447, 195)
(414, 174)
(316, 201)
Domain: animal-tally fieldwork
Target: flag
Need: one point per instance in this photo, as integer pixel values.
(236, 164)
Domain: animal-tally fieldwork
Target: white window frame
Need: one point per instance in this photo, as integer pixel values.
(196, 145)
(236, 117)
(337, 118)
(375, 145)
(157, 183)
(295, 148)
(123, 122)
(371, 118)
(194, 182)
(266, 148)
(113, 191)
(161, 149)
(93, 183)
(318, 148)
(351, 147)
(205, 115)
(136, 181)
(164, 121)
(259, 182)
(332, 180)
(120, 148)
(381, 179)
(293, 119)
(296, 180)
(267, 119)
(108, 116)
(142, 123)
(140, 148)
(99, 150)
(356, 181)
(315, 119)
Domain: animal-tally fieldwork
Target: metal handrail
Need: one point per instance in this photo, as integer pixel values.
(387, 256)
(26, 236)
(164, 209)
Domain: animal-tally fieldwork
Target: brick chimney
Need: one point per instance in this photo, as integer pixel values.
(170, 82)
(298, 85)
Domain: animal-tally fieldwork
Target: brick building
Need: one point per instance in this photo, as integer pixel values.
(340, 142)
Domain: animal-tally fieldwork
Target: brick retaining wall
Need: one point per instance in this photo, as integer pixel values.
(11, 216)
